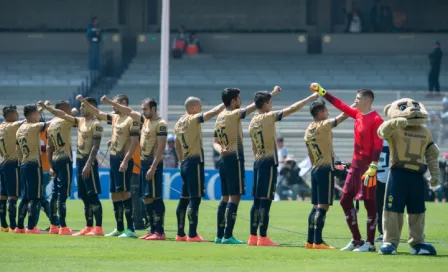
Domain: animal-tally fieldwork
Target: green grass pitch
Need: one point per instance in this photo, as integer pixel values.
(62, 253)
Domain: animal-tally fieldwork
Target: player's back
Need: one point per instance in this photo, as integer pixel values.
(8, 132)
(229, 130)
(319, 142)
(59, 133)
(189, 132)
(28, 139)
(262, 131)
(407, 148)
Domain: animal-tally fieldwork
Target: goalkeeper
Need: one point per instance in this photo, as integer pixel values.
(361, 180)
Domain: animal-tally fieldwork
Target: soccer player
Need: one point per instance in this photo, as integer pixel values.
(319, 143)
(361, 180)
(9, 168)
(228, 143)
(262, 132)
(190, 152)
(152, 142)
(125, 131)
(382, 174)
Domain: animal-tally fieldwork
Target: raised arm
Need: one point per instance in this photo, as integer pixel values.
(179, 151)
(251, 108)
(298, 105)
(121, 108)
(101, 115)
(213, 112)
(351, 112)
(58, 113)
(387, 128)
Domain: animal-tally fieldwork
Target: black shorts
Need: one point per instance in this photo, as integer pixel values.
(265, 178)
(9, 178)
(63, 181)
(119, 181)
(31, 175)
(233, 176)
(192, 173)
(322, 185)
(151, 188)
(405, 189)
(90, 185)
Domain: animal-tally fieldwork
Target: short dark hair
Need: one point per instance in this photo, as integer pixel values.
(62, 104)
(122, 97)
(29, 109)
(9, 109)
(150, 102)
(316, 107)
(228, 94)
(366, 93)
(261, 98)
(92, 101)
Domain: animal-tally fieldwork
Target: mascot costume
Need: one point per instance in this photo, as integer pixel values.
(412, 152)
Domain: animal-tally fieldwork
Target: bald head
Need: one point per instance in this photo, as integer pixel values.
(192, 102)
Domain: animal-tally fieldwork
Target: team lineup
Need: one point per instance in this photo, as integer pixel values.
(401, 143)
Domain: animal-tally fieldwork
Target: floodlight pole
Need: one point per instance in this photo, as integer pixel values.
(164, 60)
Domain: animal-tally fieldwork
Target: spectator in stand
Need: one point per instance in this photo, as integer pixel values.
(282, 153)
(375, 13)
(354, 22)
(386, 22)
(170, 159)
(194, 39)
(444, 121)
(435, 59)
(399, 20)
(94, 38)
(180, 42)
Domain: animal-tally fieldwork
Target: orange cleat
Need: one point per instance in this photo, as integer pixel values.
(53, 229)
(83, 232)
(33, 231)
(265, 241)
(196, 239)
(96, 231)
(156, 237)
(65, 231)
(145, 236)
(181, 238)
(252, 240)
(322, 246)
(19, 231)
(308, 246)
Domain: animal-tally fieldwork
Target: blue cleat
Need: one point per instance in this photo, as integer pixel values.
(423, 249)
(387, 249)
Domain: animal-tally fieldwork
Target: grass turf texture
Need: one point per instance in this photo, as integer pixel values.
(64, 253)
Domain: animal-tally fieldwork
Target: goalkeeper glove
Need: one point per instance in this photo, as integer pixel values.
(370, 175)
(315, 87)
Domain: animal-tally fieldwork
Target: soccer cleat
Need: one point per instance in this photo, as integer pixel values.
(308, 246)
(196, 239)
(12, 230)
(322, 246)
(156, 237)
(65, 231)
(218, 240)
(19, 231)
(423, 249)
(96, 231)
(83, 232)
(127, 233)
(33, 231)
(387, 249)
(352, 245)
(265, 241)
(366, 247)
(232, 241)
(181, 238)
(114, 233)
(4, 229)
(379, 239)
(253, 239)
(145, 236)
(53, 229)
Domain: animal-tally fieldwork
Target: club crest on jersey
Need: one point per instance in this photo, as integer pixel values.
(162, 128)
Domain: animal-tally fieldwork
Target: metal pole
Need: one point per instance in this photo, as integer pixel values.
(164, 59)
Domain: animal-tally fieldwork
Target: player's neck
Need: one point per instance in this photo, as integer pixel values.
(367, 110)
(88, 117)
(154, 117)
(230, 108)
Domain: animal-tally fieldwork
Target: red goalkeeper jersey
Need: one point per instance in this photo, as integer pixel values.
(368, 145)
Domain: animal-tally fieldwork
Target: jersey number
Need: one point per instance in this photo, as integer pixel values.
(59, 142)
(222, 135)
(24, 146)
(3, 148)
(258, 138)
(315, 150)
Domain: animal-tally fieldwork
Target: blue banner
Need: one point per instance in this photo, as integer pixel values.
(172, 184)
